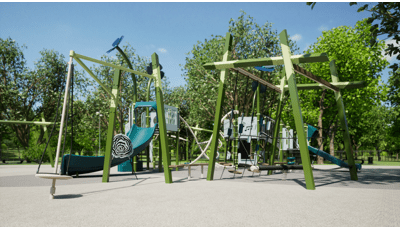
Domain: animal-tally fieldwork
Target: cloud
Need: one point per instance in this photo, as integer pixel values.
(296, 37)
(162, 50)
(388, 57)
(322, 28)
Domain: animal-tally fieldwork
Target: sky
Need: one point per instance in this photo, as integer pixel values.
(168, 28)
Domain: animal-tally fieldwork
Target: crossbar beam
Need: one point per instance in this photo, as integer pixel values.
(27, 122)
(296, 59)
(340, 85)
(258, 79)
(74, 55)
(311, 76)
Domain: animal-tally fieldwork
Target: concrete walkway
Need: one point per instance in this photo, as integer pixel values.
(251, 200)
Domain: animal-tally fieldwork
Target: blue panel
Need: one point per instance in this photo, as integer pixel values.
(264, 68)
(152, 104)
(311, 132)
(331, 158)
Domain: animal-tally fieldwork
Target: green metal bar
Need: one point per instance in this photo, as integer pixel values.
(340, 85)
(177, 150)
(161, 119)
(44, 123)
(75, 55)
(148, 123)
(280, 143)
(195, 135)
(305, 156)
(295, 59)
(277, 121)
(258, 118)
(343, 122)
(218, 113)
(187, 149)
(111, 126)
(235, 134)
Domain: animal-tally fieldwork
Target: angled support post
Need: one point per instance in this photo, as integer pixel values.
(162, 125)
(218, 113)
(305, 156)
(343, 122)
(111, 125)
(277, 121)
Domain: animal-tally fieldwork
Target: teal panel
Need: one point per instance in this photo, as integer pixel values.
(152, 104)
(311, 132)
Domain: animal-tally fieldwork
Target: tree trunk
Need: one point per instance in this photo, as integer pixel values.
(378, 153)
(320, 160)
(332, 139)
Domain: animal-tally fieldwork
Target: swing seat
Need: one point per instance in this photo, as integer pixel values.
(52, 176)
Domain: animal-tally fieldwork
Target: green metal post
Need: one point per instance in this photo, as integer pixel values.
(148, 124)
(111, 125)
(159, 151)
(343, 122)
(177, 150)
(235, 134)
(187, 149)
(277, 127)
(194, 141)
(280, 143)
(305, 156)
(218, 113)
(161, 119)
(258, 119)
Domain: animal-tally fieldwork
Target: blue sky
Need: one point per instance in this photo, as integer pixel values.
(170, 29)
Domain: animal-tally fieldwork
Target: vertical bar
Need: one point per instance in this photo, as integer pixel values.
(194, 141)
(305, 156)
(218, 113)
(111, 125)
(343, 122)
(278, 127)
(280, 143)
(235, 131)
(258, 123)
(166, 154)
(177, 150)
(187, 149)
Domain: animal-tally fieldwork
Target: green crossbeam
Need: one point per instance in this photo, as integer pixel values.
(296, 59)
(27, 122)
(340, 85)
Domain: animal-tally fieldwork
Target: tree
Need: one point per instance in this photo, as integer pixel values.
(250, 41)
(388, 13)
(356, 60)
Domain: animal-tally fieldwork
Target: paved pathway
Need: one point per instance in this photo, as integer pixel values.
(263, 201)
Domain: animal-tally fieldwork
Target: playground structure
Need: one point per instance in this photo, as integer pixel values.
(141, 137)
(288, 75)
(114, 93)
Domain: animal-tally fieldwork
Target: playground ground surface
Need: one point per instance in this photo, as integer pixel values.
(252, 200)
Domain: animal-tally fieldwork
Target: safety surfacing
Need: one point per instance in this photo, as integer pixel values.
(237, 200)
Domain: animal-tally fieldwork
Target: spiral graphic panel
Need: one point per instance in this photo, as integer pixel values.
(122, 146)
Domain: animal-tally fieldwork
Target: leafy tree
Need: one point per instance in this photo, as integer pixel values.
(250, 41)
(356, 60)
(388, 13)
(19, 89)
